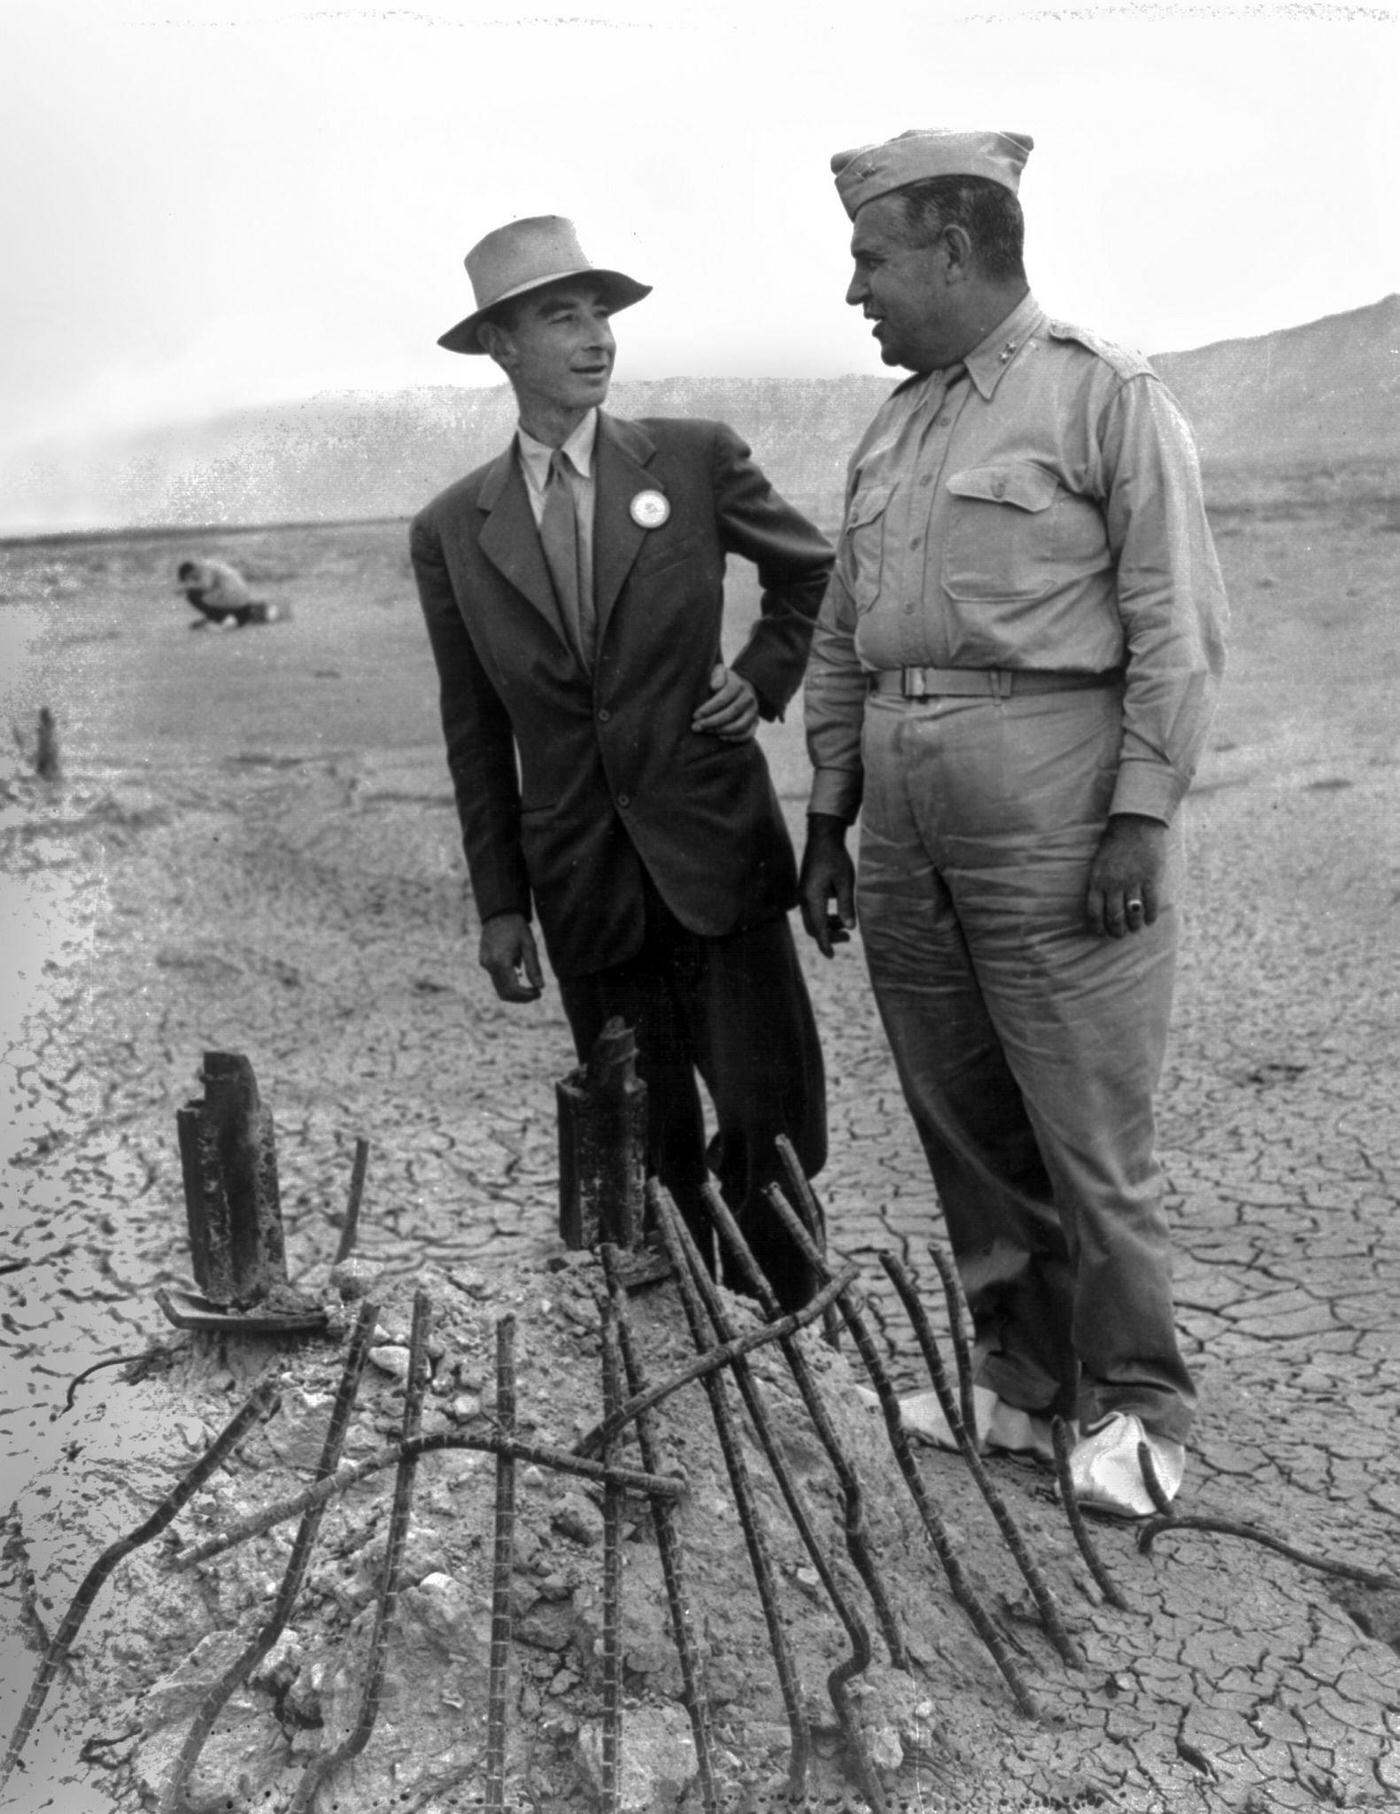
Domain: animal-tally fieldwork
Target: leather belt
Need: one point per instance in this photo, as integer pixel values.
(998, 683)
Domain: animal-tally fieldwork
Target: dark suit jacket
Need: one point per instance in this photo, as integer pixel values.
(569, 783)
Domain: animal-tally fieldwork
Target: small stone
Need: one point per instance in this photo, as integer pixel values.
(281, 1666)
(449, 1615)
(391, 1360)
(548, 1625)
(297, 1435)
(578, 1519)
(885, 1748)
(658, 1764)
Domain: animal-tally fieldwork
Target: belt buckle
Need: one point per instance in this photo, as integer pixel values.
(912, 684)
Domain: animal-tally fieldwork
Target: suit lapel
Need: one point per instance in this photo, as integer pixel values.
(510, 540)
(621, 456)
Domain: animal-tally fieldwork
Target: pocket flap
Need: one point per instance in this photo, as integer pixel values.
(1027, 487)
(866, 505)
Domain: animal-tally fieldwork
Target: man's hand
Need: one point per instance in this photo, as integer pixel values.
(508, 956)
(731, 711)
(1126, 875)
(827, 874)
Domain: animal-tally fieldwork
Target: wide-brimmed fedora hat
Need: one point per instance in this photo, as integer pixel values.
(526, 255)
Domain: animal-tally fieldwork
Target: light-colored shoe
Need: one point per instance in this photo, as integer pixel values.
(1000, 1426)
(1106, 1473)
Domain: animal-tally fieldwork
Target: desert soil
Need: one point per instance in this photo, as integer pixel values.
(253, 849)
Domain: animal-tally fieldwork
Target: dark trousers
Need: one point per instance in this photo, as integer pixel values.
(735, 1011)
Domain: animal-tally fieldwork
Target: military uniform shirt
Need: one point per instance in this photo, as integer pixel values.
(1037, 507)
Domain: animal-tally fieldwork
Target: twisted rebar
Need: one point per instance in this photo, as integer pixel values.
(351, 1227)
(294, 1574)
(668, 1543)
(858, 1636)
(259, 1404)
(714, 1360)
(809, 1207)
(321, 1768)
(1041, 1591)
(962, 1589)
(1155, 1491)
(563, 1461)
(852, 1493)
(612, 1577)
(1059, 1433)
(962, 1352)
(503, 1565)
(1152, 1528)
(686, 1261)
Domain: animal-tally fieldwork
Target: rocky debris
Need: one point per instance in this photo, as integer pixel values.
(1178, 1693)
(163, 1633)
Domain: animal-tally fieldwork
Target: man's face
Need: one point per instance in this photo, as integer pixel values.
(558, 350)
(901, 288)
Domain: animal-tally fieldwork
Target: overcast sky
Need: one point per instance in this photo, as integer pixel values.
(232, 201)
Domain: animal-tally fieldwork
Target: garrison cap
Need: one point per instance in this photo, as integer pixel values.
(913, 157)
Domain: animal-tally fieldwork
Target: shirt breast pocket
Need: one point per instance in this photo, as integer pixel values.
(863, 544)
(1002, 533)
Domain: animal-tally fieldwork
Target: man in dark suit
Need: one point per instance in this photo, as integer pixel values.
(602, 751)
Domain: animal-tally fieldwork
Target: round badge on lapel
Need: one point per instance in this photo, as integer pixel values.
(649, 509)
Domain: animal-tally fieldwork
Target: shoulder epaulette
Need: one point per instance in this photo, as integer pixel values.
(1123, 360)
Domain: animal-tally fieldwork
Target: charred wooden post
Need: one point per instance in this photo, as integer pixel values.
(229, 1166)
(602, 1144)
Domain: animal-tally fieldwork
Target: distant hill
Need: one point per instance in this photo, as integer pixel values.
(1326, 391)
(1330, 390)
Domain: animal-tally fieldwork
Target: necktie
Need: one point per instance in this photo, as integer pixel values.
(559, 534)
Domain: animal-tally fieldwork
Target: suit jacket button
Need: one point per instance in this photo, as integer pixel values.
(624, 799)
(604, 715)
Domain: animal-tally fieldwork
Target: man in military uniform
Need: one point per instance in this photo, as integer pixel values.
(1011, 682)
(602, 749)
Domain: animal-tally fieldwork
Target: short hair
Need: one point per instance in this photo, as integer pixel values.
(987, 211)
(504, 315)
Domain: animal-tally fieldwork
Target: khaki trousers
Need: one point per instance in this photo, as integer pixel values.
(1029, 1050)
